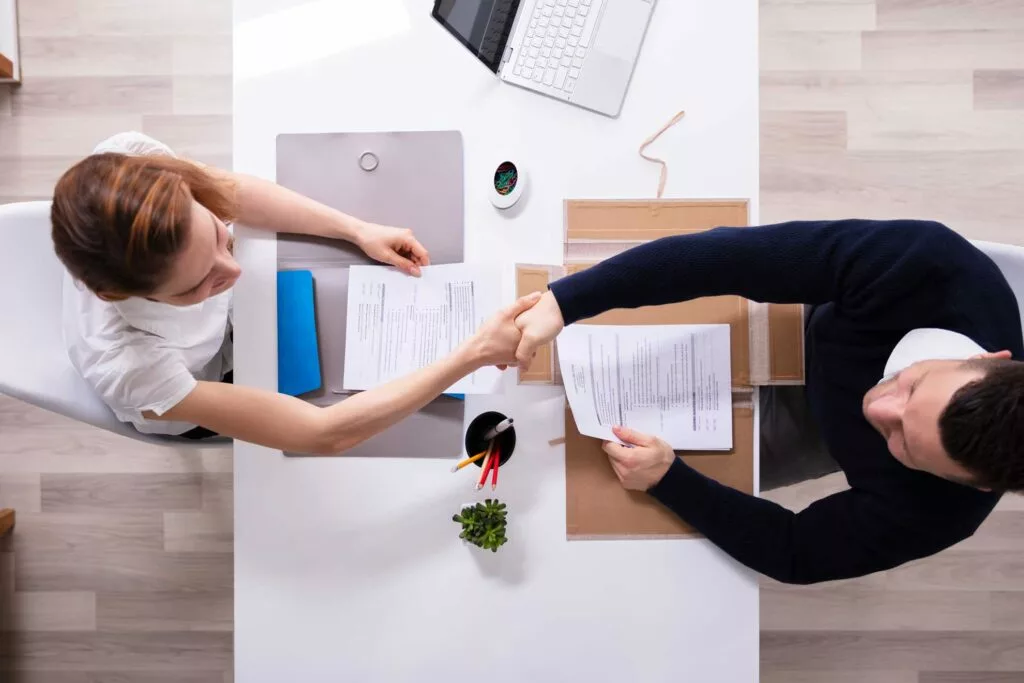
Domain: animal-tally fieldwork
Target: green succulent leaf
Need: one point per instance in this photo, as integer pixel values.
(484, 524)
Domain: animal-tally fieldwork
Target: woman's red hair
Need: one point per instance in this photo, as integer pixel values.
(119, 220)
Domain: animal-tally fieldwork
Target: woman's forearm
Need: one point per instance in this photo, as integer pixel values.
(290, 424)
(368, 413)
(268, 206)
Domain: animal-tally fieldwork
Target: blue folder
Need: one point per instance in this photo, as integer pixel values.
(298, 355)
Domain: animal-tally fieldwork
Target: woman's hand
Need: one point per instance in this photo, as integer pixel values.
(394, 246)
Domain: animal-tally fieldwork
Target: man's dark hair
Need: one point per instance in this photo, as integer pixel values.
(982, 428)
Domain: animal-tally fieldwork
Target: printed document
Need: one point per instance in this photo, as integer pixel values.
(669, 381)
(397, 323)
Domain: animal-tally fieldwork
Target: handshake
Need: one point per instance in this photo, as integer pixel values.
(513, 335)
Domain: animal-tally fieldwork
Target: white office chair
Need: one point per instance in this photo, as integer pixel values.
(1010, 260)
(34, 365)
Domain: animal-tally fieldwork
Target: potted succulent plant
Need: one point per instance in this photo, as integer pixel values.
(483, 524)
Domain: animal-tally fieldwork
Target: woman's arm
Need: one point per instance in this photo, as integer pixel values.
(290, 424)
(268, 206)
(287, 423)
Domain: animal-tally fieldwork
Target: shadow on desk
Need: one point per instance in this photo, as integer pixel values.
(374, 533)
(427, 529)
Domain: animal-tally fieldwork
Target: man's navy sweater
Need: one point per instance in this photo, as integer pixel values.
(872, 283)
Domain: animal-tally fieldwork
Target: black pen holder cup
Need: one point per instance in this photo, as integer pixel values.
(478, 428)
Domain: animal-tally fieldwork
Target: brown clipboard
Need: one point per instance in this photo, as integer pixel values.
(766, 348)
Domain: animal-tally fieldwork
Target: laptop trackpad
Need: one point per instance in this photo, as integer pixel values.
(622, 28)
(602, 84)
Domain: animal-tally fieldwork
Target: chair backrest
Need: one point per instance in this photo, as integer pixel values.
(1009, 259)
(34, 365)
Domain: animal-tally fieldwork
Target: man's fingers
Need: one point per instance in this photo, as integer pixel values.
(619, 471)
(617, 452)
(617, 459)
(522, 304)
(525, 354)
(633, 437)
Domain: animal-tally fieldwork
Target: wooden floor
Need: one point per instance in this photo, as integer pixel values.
(889, 109)
(121, 566)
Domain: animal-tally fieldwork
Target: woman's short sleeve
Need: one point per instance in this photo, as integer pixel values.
(134, 143)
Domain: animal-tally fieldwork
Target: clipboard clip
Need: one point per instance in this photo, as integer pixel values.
(368, 161)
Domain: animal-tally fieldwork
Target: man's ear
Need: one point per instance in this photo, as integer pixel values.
(1004, 354)
(110, 297)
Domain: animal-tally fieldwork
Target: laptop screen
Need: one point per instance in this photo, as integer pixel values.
(481, 25)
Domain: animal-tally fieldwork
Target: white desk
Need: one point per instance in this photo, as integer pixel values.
(350, 569)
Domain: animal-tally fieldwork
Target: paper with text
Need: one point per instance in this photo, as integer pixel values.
(669, 381)
(397, 323)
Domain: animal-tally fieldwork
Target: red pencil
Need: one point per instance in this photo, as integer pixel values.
(494, 471)
(488, 461)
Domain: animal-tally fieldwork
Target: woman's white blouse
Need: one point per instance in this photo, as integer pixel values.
(141, 355)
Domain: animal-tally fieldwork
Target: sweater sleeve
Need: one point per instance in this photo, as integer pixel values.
(857, 264)
(844, 535)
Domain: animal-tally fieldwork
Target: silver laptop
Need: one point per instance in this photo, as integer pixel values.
(579, 51)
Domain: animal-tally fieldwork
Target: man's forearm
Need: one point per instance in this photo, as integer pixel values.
(844, 535)
(745, 527)
(799, 262)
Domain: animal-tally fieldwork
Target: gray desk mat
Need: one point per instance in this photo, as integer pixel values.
(418, 184)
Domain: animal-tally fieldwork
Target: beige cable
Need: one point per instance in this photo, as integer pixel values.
(664, 166)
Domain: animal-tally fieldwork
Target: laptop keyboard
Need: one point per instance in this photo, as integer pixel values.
(556, 42)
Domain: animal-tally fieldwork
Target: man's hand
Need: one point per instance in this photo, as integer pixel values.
(496, 341)
(539, 325)
(641, 464)
(394, 246)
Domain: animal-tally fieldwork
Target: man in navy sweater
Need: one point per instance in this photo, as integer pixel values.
(909, 378)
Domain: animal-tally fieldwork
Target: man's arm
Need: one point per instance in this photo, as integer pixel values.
(865, 267)
(855, 263)
(848, 534)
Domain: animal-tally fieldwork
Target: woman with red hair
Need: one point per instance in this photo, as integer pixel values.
(145, 240)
